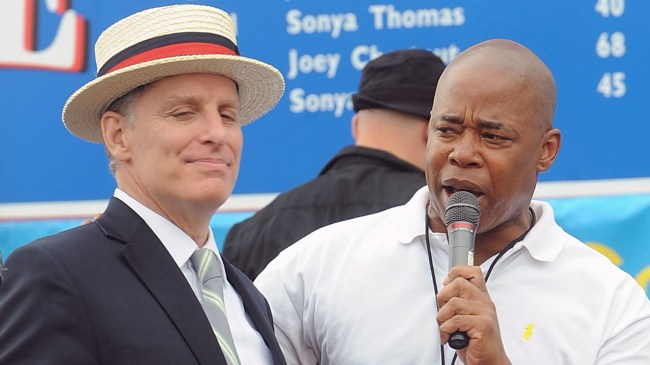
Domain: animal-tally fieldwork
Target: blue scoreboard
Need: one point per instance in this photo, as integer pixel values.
(598, 51)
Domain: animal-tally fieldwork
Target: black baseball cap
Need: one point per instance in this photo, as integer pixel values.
(403, 81)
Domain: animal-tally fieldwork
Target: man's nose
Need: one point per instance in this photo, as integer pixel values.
(466, 151)
(213, 128)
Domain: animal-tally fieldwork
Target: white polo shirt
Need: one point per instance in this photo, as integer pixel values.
(360, 292)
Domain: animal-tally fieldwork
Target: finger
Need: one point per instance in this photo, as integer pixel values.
(473, 274)
(476, 326)
(461, 288)
(458, 323)
(461, 315)
(457, 306)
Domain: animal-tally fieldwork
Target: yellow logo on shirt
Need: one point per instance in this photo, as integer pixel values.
(528, 332)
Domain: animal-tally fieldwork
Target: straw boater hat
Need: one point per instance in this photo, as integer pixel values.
(166, 41)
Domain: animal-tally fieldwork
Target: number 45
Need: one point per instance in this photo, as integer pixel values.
(612, 84)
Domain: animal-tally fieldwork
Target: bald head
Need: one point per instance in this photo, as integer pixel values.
(514, 64)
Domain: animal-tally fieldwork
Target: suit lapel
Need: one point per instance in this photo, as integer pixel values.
(256, 308)
(156, 268)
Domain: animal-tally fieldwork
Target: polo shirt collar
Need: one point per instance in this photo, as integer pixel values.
(411, 217)
(544, 241)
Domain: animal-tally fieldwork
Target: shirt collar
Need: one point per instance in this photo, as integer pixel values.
(412, 217)
(544, 241)
(179, 245)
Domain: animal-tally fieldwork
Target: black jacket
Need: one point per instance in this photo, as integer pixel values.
(356, 182)
(110, 293)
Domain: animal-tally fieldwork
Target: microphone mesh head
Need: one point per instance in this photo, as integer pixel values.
(462, 207)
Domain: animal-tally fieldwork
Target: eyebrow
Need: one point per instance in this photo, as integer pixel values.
(190, 99)
(490, 124)
(175, 100)
(482, 124)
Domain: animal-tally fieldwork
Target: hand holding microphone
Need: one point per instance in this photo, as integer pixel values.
(462, 215)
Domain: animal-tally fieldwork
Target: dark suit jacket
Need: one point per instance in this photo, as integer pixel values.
(110, 293)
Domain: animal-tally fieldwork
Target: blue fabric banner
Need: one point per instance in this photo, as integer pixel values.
(616, 226)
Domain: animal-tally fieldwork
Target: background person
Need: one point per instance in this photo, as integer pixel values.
(383, 169)
(378, 289)
(169, 102)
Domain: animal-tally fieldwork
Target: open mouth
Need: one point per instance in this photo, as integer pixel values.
(449, 190)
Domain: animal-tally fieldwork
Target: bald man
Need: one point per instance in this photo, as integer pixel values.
(379, 290)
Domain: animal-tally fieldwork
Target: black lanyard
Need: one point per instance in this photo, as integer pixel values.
(487, 275)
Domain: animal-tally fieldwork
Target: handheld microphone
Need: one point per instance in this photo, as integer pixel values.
(462, 215)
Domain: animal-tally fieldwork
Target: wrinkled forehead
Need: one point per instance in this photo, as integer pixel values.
(472, 99)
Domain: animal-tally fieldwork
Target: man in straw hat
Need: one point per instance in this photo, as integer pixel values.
(145, 284)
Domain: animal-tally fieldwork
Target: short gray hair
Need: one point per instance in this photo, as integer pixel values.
(124, 106)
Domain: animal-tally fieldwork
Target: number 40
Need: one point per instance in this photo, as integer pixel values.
(614, 8)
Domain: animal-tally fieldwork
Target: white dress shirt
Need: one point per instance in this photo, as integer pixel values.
(360, 292)
(250, 345)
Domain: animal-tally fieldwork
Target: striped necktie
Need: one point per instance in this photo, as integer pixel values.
(209, 271)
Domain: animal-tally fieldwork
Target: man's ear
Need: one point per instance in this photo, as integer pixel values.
(114, 131)
(549, 149)
(425, 131)
(354, 126)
